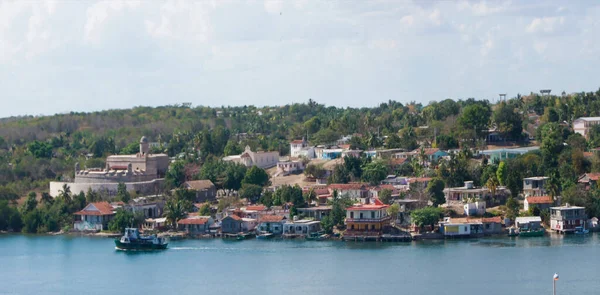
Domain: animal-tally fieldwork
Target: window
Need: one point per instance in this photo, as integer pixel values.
(372, 214)
(361, 215)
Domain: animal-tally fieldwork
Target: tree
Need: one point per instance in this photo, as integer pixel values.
(508, 122)
(91, 196)
(65, 194)
(46, 199)
(232, 148)
(501, 173)
(475, 117)
(315, 171)
(312, 125)
(393, 211)
(174, 211)
(310, 196)
(426, 216)
(234, 175)
(10, 219)
(251, 192)
(339, 175)
(122, 193)
(204, 210)
(40, 149)
(385, 196)
(175, 176)
(393, 141)
(267, 198)
(492, 184)
(435, 189)
(287, 193)
(125, 218)
(374, 172)
(552, 144)
(512, 208)
(256, 176)
(30, 203)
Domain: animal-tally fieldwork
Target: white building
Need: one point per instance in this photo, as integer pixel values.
(475, 208)
(583, 125)
(296, 146)
(260, 159)
(301, 227)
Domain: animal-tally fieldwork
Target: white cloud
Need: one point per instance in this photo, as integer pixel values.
(99, 13)
(545, 24)
(481, 8)
(275, 6)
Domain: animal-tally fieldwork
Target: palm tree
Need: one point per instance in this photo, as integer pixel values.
(422, 156)
(65, 194)
(492, 184)
(174, 211)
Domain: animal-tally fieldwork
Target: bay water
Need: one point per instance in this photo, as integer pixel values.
(499, 265)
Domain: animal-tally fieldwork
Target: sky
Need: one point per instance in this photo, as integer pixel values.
(63, 56)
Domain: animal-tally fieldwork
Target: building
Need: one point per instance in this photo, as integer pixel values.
(259, 159)
(154, 223)
(151, 207)
(528, 222)
(507, 153)
(330, 154)
(271, 224)
(583, 125)
(296, 146)
(234, 224)
(395, 180)
(471, 227)
(470, 193)
(317, 213)
(354, 191)
(366, 220)
(95, 217)
(142, 173)
(566, 218)
(542, 202)
(432, 154)
(302, 227)
(535, 186)
(196, 225)
(474, 208)
(205, 190)
(290, 167)
(589, 180)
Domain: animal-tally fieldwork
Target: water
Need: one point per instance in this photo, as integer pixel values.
(86, 265)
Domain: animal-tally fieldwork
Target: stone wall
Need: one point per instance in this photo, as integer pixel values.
(111, 177)
(109, 188)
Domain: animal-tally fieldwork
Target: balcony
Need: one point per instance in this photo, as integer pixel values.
(367, 220)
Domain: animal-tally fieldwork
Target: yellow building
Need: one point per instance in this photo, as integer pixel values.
(366, 220)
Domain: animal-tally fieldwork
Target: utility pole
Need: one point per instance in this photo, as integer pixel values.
(554, 279)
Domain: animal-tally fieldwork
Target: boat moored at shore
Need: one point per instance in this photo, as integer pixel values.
(132, 240)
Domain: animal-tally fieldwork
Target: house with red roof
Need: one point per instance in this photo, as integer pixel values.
(94, 217)
(366, 221)
(195, 225)
(589, 180)
(542, 202)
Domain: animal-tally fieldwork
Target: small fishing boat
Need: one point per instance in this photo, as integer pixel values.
(525, 232)
(132, 240)
(264, 236)
(243, 236)
(581, 230)
(317, 236)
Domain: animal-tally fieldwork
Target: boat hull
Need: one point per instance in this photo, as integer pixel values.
(140, 246)
(538, 233)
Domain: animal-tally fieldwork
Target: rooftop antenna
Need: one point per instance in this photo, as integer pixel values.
(502, 96)
(545, 92)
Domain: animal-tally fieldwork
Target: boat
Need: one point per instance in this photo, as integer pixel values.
(317, 236)
(581, 230)
(264, 236)
(525, 232)
(132, 240)
(513, 232)
(243, 236)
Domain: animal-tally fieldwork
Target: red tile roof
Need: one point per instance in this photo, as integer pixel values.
(193, 221)
(398, 161)
(377, 206)
(97, 209)
(199, 184)
(271, 218)
(297, 141)
(428, 151)
(419, 179)
(346, 186)
(540, 200)
(256, 208)
(383, 186)
(593, 176)
(234, 217)
(588, 154)
(496, 219)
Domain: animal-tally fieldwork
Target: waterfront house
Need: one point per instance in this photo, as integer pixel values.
(95, 216)
(205, 189)
(584, 125)
(469, 192)
(542, 202)
(234, 224)
(528, 222)
(566, 218)
(470, 227)
(271, 224)
(316, 213)
(196, 225)
(366, 220)
(154, 223)
(151, 207)
(302, 227)
(535, 186)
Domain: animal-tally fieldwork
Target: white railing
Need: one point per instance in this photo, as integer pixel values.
(87, 226)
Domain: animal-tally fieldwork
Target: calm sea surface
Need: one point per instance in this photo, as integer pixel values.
(85, 265)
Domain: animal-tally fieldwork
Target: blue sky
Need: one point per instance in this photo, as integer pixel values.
(61, 56)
